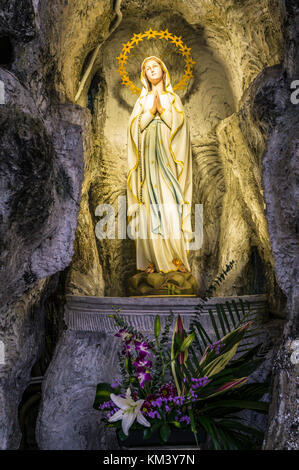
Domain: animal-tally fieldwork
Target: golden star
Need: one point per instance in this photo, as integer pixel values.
(165, 34)
(127, 47)
(162, 34)
(185, 51)
(188, 68)
(125, 80)
(150, 33)
(121, 68)
(137, 38)
(122, 59)
(188, 74)
(177, 41)
(189, 60)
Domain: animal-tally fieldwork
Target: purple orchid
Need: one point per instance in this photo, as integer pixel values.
(124, 335)
(142, 347)
(127, 349)
(143, 377)
(142, 363)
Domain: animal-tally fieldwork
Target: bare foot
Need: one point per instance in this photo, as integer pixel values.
(150, 269)
(182, 268)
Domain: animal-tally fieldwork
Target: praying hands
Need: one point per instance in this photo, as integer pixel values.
(157, 107)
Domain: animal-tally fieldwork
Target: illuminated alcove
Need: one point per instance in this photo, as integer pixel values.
(227, 146)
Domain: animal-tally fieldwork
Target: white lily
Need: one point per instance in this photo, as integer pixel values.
(128, 412)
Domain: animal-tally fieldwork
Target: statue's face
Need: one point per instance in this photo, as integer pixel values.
(153, 71)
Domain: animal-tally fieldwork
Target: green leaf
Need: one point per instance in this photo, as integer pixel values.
(122, 435)
(218, 308)
(236, 383)
(127, 365)
(176, 424)
(179, 373)
(207, 424)
(193, 425)
(222, 438)
(252, 391)
(186, 373)
(219, 362)
(190, 367)
(235, 425)
(236, 310)
(187, 342)
(173, 361)
(103, 394)
(228, 442)
(259, 406)
(157, 326)
(165, 432)
(147, 432)
(247, 356)
(134, 381)
(214, 324)
(203, 334)
(230, 313)
(193, 354)
(246, 368)
(222, 308)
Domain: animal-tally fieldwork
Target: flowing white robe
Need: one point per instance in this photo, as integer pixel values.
(160, 182)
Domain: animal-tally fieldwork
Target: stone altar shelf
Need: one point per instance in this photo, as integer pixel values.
(86, 354)
(92, 313)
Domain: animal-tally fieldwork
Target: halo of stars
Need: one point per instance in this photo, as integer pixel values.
(150, 34)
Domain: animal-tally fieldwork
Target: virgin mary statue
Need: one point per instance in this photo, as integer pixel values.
(159, 173)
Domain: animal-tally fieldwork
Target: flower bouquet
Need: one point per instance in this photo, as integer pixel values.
(187, 381)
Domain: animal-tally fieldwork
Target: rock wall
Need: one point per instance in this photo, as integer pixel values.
(41, 174)
(280, 176)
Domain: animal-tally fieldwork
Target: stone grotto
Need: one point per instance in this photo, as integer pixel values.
(63, 134)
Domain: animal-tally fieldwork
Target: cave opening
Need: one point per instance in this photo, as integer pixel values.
(6, 51)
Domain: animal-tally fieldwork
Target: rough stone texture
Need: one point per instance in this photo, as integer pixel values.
(22, 332)
(280, 173)
(41, 177)
(41, 174)
(17, 22)
(70, 422)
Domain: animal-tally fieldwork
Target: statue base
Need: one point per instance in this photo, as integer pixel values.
(174, 283)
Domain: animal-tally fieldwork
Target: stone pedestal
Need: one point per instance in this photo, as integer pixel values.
(172, 283)
(87, 354)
